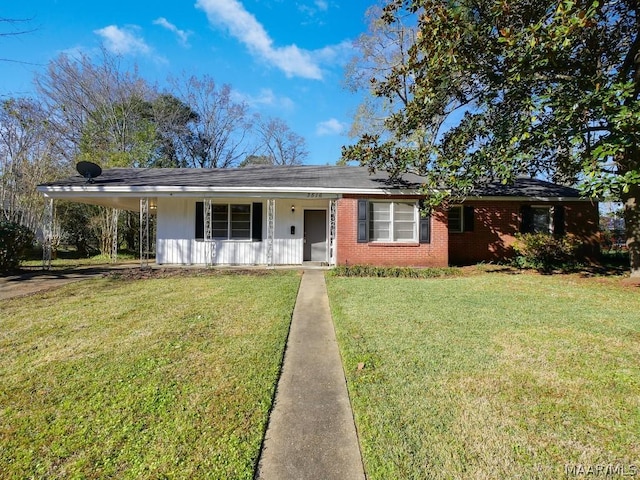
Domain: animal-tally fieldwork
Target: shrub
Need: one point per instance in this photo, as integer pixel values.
(395, 272)
(546, 252)
(15, 239)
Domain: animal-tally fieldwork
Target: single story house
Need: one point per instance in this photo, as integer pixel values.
(335, 215)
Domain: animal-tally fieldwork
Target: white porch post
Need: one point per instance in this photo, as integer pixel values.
(144, 232)
(47, 233)
(115, 214)
(333, 216)
(209, 242)
(271, 229)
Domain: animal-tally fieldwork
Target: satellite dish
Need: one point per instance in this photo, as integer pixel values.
(89, 170)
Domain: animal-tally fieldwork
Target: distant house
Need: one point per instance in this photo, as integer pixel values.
(333, 215)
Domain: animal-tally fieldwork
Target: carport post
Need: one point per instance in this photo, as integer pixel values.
(144, 232)
(47, 233)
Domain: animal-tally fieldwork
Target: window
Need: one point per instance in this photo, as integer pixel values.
(392, 222)
(240, 221)
(461, 218)
(231, 221)
(455, 219)
(542, 219)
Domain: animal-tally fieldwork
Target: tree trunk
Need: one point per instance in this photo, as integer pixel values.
(631, 203)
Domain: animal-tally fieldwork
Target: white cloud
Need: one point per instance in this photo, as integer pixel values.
(336, 54)
(330, 127)
(123, 41)
(183, 35)
(322, 5)
(293, 61)
(265, 98)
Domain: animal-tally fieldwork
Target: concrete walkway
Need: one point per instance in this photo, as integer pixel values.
(311, 433)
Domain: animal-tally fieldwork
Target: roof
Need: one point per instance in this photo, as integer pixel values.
(263, 176)
(526, 187)
(122, 185)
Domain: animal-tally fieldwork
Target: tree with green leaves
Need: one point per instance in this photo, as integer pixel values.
(504, 88)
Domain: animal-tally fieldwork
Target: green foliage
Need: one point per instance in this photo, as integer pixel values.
(509, 88)
(15, 239)
(545, 252)
(393, 272)
(76, 223)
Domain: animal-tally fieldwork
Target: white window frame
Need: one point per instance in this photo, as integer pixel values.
(230, 222)
(392, 222)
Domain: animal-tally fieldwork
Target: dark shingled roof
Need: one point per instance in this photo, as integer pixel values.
(343, 178)
(249, 177)
(525, 187)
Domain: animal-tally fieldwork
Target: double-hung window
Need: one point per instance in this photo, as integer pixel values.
(542, 219)
(231, 221)
(460, 218)
(393, 222)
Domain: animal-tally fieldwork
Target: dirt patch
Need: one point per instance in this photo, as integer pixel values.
(148, 273)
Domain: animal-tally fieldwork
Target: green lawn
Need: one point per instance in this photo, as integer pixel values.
(491, 375)
(156, 378)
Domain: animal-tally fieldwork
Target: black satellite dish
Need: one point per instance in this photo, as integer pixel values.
(89, 170)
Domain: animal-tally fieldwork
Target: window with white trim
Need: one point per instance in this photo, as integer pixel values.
(231, 221)
(393, 222)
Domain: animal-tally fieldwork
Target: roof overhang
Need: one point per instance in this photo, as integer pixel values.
(128, 198)
(529, 199)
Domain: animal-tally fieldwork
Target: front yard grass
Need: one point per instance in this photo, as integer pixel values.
(491, 375)
(155, 378)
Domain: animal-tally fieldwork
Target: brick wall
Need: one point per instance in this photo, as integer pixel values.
(497, 222)
(349, 251)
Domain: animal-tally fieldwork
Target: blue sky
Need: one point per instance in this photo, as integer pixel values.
(285, 58)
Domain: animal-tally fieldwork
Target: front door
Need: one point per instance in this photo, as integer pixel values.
(315, 236)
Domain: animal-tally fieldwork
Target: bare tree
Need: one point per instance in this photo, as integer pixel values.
(383, 48)
(280, 144)
(220, 136)
(27, 158)
(100, 113)
(97, 110)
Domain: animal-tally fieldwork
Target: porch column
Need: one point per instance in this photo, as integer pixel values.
(271, 229)
(144, 232)
(115, 214)
(47, 233)
(332, 231)
(209, 242)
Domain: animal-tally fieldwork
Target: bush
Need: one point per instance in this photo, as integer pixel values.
(394, 272)
(545, 252)
(15, 239)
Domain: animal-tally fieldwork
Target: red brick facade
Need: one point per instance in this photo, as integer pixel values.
(494, 228)
(497, 222)
(350, 252)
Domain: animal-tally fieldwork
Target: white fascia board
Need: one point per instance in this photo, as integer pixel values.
(298, 192)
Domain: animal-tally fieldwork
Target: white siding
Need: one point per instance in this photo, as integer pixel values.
(176, 242)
